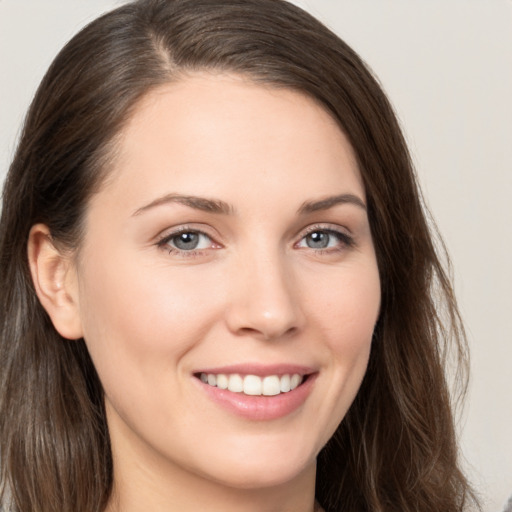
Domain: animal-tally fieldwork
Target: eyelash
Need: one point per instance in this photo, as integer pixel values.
(345, 241)
(164, 242)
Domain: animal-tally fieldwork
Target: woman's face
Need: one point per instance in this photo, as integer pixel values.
(231, 245)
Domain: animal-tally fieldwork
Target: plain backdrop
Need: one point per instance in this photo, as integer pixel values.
(447, 68)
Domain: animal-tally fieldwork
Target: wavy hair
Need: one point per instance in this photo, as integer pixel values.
(396, 448)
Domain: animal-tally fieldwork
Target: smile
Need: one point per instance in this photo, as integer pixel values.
(257, 392)
(253, 385)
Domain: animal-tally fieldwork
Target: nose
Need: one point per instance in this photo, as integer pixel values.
(264, 299)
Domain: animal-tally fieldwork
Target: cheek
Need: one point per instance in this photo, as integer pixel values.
(346, 316)
(361, 302)
(348, 310)
(132, 297)
(139, 320)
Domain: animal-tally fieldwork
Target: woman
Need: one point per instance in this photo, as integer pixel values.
(218, 282)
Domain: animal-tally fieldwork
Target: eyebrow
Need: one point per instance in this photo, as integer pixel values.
(329, 202)
(199, 203)
(220, 207)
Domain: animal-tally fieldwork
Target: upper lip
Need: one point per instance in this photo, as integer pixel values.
(260, 370)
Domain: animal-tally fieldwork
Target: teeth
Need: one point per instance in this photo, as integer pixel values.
(252, 384)
(222, 381)
(294, 381)
(236, 383)
(271, 385)
(285, 384)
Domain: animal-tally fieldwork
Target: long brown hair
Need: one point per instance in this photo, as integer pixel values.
(396, 447)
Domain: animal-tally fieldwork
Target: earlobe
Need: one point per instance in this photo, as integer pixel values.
(54, 277)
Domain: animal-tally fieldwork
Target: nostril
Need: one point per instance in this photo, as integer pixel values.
(267, 333)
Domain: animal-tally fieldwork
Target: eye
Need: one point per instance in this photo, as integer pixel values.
(186, 240)
(321, 239)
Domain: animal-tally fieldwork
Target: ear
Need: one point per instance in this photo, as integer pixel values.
(55, 281)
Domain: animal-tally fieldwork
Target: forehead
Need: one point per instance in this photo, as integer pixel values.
(207, 130)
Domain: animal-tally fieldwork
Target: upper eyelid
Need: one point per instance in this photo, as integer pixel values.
(335, 228)
(163, 242)
(168, 233)
(177, 232)
(344, 234)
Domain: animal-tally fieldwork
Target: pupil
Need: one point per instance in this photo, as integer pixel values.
(318, 240)
(186, 241)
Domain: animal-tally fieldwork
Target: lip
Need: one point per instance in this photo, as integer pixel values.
(259, 408)
(259, 369)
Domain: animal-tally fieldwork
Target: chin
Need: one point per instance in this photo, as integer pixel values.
(260, 478)
(253, 472)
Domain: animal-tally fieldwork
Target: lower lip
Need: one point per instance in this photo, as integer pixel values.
(260, 408)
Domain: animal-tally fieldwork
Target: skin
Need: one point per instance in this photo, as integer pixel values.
(254, 291)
